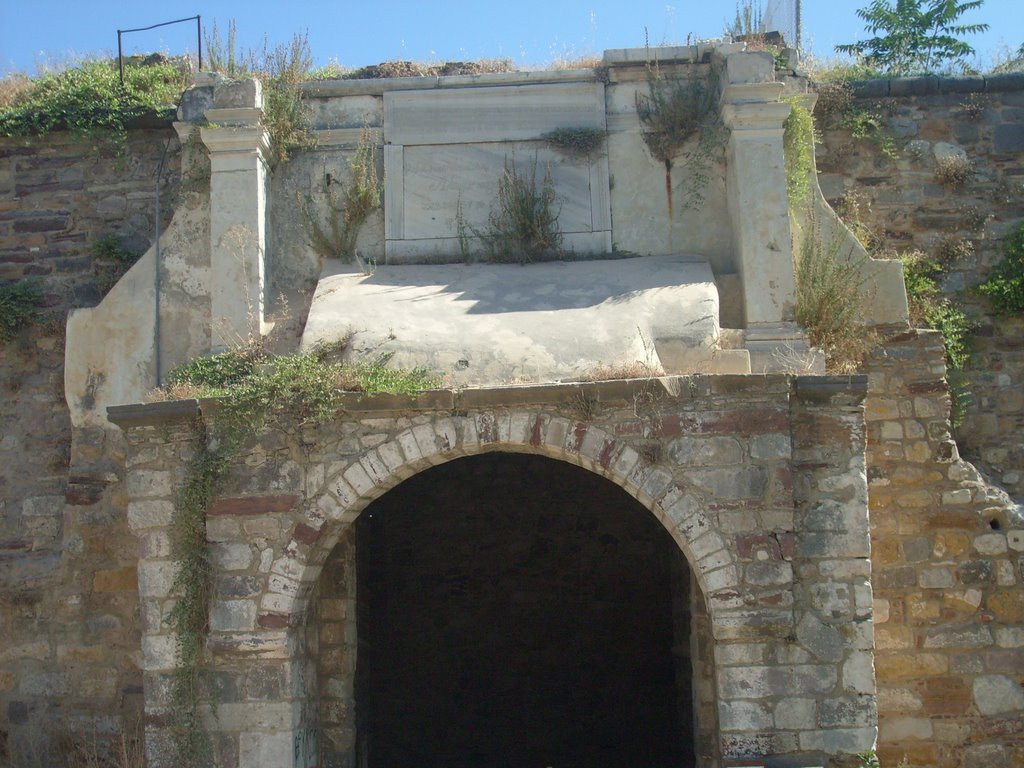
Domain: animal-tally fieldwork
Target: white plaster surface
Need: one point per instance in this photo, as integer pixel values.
(491, 323)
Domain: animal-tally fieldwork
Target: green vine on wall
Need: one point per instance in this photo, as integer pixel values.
(254, 390)
(798, 147)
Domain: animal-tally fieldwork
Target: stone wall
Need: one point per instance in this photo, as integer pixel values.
(947, 555)
(903, 206)
(711, 458)
(68, 596)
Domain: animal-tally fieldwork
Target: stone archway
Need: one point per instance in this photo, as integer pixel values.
(772, 524)
(508, 608)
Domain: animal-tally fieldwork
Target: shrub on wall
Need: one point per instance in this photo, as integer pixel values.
(19, 307)
(1005, 286)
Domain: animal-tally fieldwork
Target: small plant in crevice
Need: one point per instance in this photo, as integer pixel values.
(953, 249)
(679, 111)
(869, 124)
(20, 304)
(798, 147)
(256, 391)
(854, 208)
(974, 106)
(349, 205)
(953, 171)
(835, 98)
(1005, 284)
(829, 304)
(576, 141)
(110, 261)
(523, 224)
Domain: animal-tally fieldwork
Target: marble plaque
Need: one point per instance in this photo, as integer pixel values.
(503, 113)
(446, 151)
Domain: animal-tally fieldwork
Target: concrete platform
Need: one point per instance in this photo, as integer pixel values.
(486, 324)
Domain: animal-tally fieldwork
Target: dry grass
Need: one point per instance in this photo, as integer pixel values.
(13, 88)
(571, 61)
(401, 68)
(631, 370)
(177, 391)
(64, 748)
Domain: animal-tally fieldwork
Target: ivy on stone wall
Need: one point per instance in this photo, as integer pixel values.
(255, 390)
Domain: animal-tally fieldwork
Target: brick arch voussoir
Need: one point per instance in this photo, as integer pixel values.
(347, 492)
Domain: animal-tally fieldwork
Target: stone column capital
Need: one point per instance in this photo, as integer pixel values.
(743, 117)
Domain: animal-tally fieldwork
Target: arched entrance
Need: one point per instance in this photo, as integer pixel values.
(509, 609)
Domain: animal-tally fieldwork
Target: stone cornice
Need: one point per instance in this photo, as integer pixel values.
(807, 388)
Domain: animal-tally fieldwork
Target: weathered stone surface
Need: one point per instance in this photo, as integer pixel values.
(997, 694)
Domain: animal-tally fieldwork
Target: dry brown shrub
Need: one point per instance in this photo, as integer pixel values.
(953, 171)
(582, 61)
(179, 391)
(630, 370)
(13, 88)
(421, 69)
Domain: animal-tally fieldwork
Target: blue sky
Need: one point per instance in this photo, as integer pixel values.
(530, 32)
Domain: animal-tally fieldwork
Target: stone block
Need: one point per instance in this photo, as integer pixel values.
(43, 506)
(156, 577)
(232, 615)
(859, 673)
(795, 714)
(706, 451)
(231, 556)
(990, 544)
(910, 666)
(894, 729)
(265, 749)
(847, 712)
(997, 695)
(748, 482)
(1008, 138)
(959, 636)
(823, 640)
(744, 716)
(158, 652)
(148, 482)
(838, 740)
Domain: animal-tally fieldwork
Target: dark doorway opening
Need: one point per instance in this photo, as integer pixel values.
(513, 610)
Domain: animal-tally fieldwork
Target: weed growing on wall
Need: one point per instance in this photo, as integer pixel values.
(88, 99)
(255, 391)
(676, 110)
(110, 261)
(523, 224)
(282, 70)
(954, 171)
(578, 142)
(19, 307)
(829, 304)
(928, 310)
(348, 206)
(1005, 285)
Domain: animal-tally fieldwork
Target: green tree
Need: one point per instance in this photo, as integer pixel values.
(915, 35)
